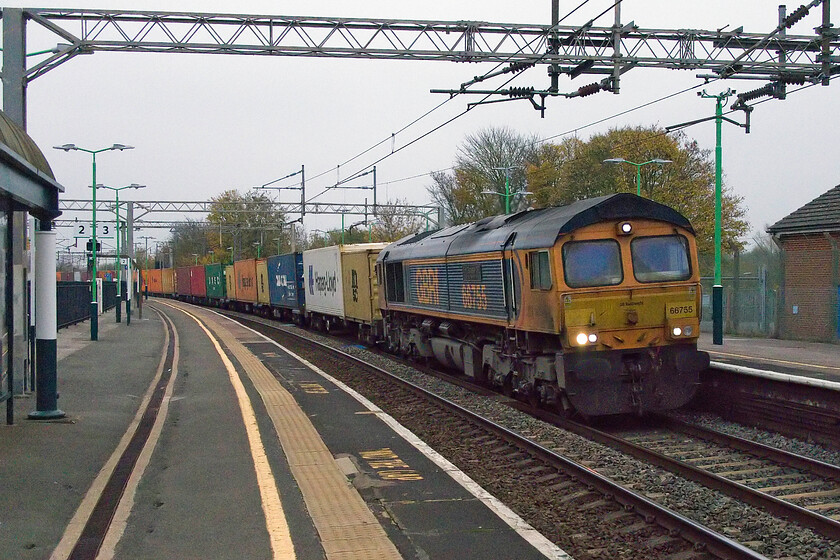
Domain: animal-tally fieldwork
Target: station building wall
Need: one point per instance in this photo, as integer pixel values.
(809, 309)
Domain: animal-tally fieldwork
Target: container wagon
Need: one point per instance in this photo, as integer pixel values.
(214, 280)
(182, 282)
(339, 287)
(263, 297)
(245, 273)
(167, 281)
(198, 288)
(230, 286)
(286, 287)
(155, 281)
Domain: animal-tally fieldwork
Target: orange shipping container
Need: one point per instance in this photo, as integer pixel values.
(155, 283)
(245, 272)
(262, 281)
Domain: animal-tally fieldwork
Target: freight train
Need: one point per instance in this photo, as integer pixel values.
(591, 308)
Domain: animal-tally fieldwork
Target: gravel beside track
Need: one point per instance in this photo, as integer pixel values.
(768, 535)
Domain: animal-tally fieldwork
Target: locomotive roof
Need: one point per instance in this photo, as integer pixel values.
(533, 229)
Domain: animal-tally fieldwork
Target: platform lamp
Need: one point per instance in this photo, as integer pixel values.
(119, 255)
(638, 167)
(94, 304)
(507, 194)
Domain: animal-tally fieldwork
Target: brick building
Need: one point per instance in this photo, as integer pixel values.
(809, 239)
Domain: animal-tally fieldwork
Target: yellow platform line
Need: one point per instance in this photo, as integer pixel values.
(347, 528)
(275, 518)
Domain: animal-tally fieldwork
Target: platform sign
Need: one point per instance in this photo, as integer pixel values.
(85, 229)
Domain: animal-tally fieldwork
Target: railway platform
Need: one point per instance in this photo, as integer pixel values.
(190, 436)
(797, 358)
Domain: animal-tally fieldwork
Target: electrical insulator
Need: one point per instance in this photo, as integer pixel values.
(756, 93)
(797, 15)
(520, 66)
(589, 90)
(521, 91)
(792, 79)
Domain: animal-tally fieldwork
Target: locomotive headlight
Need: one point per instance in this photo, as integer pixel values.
(677, 331)
(593, 337)
(687, 331)
(625, 228)
(582, 339)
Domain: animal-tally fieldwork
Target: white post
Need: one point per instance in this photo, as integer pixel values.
(46, 326)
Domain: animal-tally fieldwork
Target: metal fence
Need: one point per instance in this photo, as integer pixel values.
(749, 305)
(73, 301)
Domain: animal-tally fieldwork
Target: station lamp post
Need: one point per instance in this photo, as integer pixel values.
(717, 288)
(94, 304)
(638, 167)
(507, 194)
(119, 254)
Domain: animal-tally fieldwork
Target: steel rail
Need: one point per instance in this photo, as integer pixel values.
(819, 523)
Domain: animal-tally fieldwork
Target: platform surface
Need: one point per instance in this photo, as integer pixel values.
(808, 359)
(347, 483)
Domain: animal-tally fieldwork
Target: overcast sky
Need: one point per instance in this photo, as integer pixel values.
(202, 124)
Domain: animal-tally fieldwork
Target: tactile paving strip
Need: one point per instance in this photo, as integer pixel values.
(347, 528)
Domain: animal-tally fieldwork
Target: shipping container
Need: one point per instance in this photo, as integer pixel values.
(167, 280)
(230, 283)
(245, 272)
(361, 294)
(340, 281)
(198, 287)
(322, 270)
(182, 281)
(214, 275)
(285, 273)
(262, 281)
(155, 281)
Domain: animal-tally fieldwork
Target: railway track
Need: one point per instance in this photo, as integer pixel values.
(585, 513)
(791, 486)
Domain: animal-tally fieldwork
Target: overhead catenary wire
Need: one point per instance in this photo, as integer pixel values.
(498, 65)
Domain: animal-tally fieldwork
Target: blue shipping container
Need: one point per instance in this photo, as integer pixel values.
(285, 273)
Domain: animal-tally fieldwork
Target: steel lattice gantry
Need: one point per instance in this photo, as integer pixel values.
(604, 48)
(145, 208)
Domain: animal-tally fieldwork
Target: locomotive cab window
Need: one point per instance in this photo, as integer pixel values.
(592, 263)
(540, 270)
(661, 258)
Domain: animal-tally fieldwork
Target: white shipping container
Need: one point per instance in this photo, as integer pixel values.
(323, 280)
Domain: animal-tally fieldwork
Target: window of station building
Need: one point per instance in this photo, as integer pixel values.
(592, 263)
(394, 283)
(540, 270)
(660, 259)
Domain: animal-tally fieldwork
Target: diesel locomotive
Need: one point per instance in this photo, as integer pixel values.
(591, 308)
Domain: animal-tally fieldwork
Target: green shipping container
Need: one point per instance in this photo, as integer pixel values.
(215, 277)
